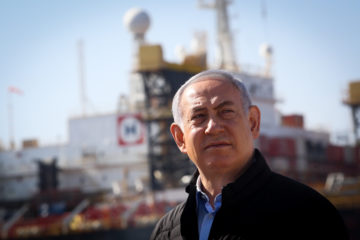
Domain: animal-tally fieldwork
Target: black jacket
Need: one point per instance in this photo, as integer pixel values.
(260, 204)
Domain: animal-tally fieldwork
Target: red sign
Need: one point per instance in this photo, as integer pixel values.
(130, 129)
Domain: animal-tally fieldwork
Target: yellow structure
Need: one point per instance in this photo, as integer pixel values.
(151, 59)
(353, 93)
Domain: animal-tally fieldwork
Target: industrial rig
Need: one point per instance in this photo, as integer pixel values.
(123, 171)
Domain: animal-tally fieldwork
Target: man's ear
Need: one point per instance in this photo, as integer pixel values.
(254, 117)
(178, 136)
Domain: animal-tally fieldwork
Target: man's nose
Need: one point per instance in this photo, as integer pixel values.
(213, 126)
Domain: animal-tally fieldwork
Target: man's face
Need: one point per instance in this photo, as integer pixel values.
(217, 133)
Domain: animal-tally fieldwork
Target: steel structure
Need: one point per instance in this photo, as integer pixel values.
(226, 51)
(353, 101)
(167, 165)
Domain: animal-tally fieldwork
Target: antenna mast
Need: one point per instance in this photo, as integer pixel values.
(226, 51)
(82, 77)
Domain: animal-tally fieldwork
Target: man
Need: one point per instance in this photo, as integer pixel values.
(234, 194)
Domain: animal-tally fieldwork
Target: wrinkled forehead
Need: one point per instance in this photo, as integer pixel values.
(213, 90)
(204, 81)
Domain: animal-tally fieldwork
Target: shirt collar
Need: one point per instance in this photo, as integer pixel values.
(199, 191)
(204, 199)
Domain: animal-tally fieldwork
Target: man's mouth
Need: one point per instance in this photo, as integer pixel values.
(217, 145)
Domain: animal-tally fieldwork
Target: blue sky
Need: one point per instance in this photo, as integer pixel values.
(316, 54)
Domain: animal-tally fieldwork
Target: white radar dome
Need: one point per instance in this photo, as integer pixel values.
(265, 50)
(137, 20)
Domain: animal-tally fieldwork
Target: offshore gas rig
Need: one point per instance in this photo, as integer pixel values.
(120, 172)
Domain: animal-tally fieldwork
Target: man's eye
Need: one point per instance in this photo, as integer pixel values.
(197, 116)
(228, 112)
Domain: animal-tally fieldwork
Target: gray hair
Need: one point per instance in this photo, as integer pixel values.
(210, 74)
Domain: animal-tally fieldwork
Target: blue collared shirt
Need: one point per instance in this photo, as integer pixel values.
(206, 213)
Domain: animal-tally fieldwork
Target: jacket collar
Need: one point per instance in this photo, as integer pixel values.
(258, 170)
(192, 185)
(253, 178)
(249, 182)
